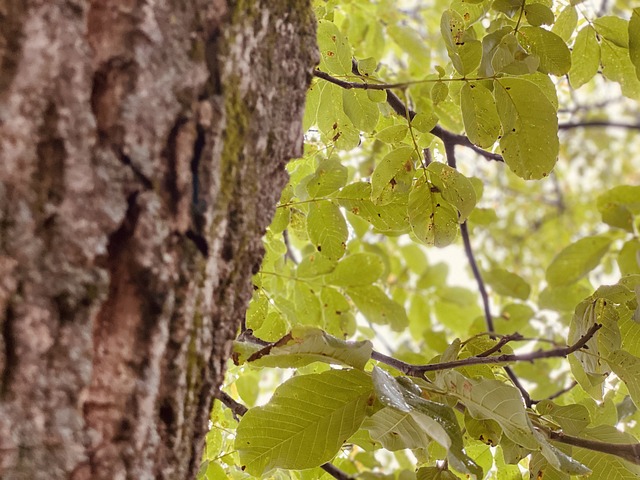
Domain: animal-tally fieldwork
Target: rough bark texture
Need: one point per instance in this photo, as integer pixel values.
(142, 146)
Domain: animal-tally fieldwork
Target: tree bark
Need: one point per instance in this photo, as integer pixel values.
(142, 152)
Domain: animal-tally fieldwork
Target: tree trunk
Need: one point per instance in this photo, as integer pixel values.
(142, 151)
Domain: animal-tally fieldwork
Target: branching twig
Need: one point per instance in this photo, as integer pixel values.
(557, 394)
(628, 451)
(416, 370)
(239, 409)
(501, 343)
(399, 107)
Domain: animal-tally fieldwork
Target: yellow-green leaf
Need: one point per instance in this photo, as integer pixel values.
(434, 221)
(327, 229)
(479, 114)
(554, 55)
(576, 260)
(585, 57)
(529, 141)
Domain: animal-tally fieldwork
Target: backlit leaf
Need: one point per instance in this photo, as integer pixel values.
(305, 423)
(327, 229)
(377, 307)
(576, 260)
(454, 187)
(554, 55)
(529, 141)
(585, 57)
(479, 114)
(433, 220)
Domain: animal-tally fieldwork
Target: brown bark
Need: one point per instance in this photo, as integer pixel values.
(142, 147)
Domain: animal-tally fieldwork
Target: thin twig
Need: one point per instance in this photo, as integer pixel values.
(239, 409)
(557, 394)
(516, 383)
(399, 107)
(464, 232)
(508, 357)
(289, 253)
(628, 451)
(597, 124)
(335, 472)
(501, 343)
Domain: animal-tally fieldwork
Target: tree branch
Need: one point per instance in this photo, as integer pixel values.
(628, 451)
(557, 394)
(597, 124)
(239, 409)
(399, 107)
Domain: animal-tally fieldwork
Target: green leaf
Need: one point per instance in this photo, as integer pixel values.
(357, 269)
(607, 467)
(454, 187)
(507, 283)
(439, 92)
(573, 419)
(434, 473)
(392, 175)
(627, 368)
(330, 176)
(618, 206)
(314, 265)
(393, 134)
(585, 57)
(529, 141)
(335, 52)
(563, 298)
(335, 127)
(617, 66)
(300, 427)
(362, 112)
(554, 55)
(538, 14)
(397, 430)
(634, 39)
(327, 229)
(433, 220)
(614, 29)
(509, 57)
(494, 400)
(508, 7)
(308, 344)
(558, 459)
(307, 305)
(377, 307)
(566, 23)
(629, 257)
(576, 260)
(390, 218)
(479, 114)
(464, 51)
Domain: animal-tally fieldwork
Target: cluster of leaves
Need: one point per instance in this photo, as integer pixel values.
(347, 264)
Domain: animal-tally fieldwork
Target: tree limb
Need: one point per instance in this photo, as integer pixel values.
(597, 124)
(399, 107)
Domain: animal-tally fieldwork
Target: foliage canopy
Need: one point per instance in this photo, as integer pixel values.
(513, 349)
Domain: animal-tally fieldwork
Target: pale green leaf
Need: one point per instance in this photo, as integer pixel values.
(335, 127)
(392, 175)
(390, 218)
(396, 430)
(607, 467)
(362, 112)
(307, 305)
(576, 260)
(335, 52)
(529, 141)
(629, 257)
(627, 368)
(566, 23)
(585, 57)
(634, 39)
(338, 318)
(305, 423)
(509, 57)
(434, 473)
(563, 298)
(357, 269)
(409, 40)
(614, 29)
(392, 134)
(327, 229)
(494, 400)
(617, 66)
(330, 176)
(554, 55)
(439, 92)
(571, 418)
(377, 307)
(618, 206)
(479, 114)
(306, 345)
(538, 14)
(508, 7)
(314, 265)
(433, 220)
(507, 283)
(454, 187)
